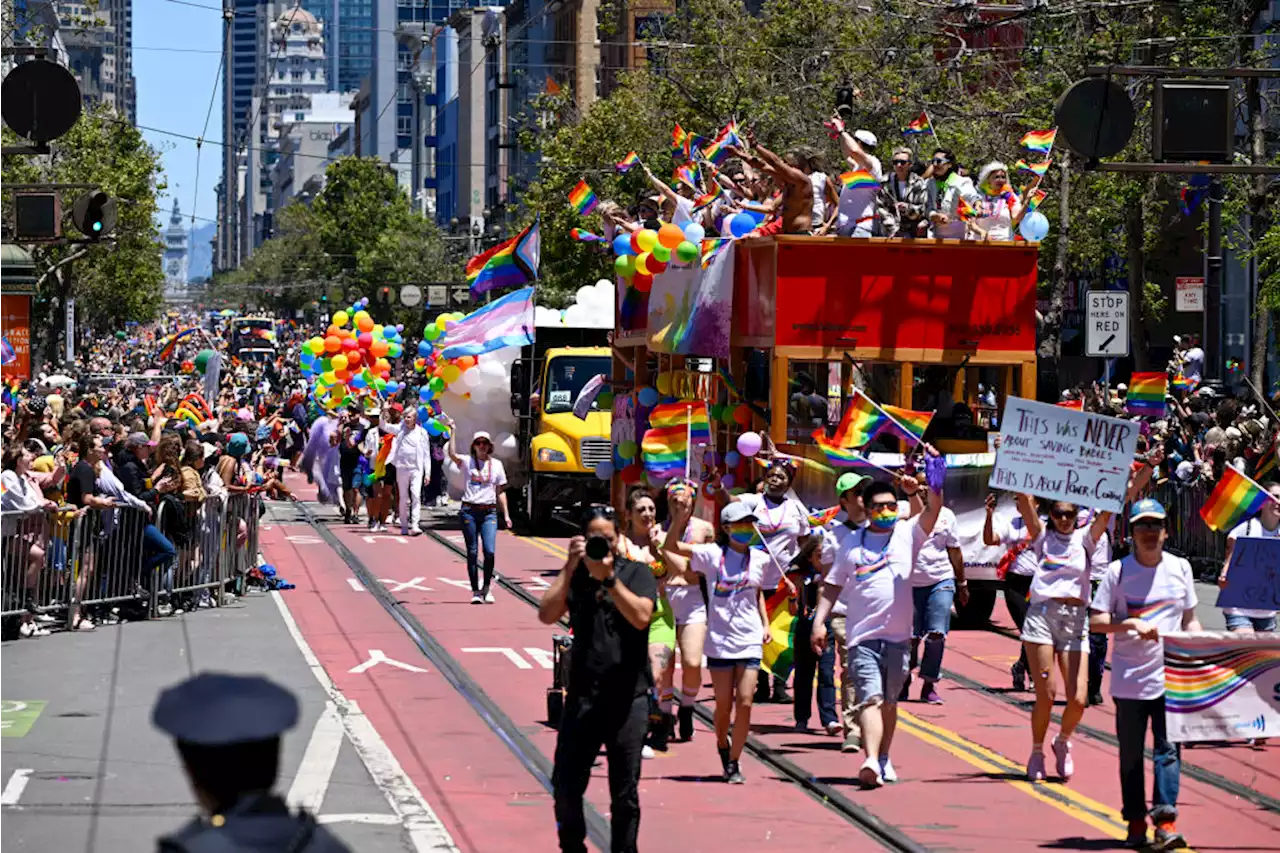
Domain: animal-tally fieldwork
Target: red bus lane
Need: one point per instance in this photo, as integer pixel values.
(482, 793)
(507, 652)
(976, 736)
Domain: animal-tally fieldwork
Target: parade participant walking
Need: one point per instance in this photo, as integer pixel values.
(1140, 598)
(609, 600)
(411, 457)
(1018, 566)
(937, 579)
(871, 574)
(227, 730)
(484, 487)
(737, 621)
(1265, 525)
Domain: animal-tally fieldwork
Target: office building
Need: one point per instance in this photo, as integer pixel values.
(99, 44)
(306, 147)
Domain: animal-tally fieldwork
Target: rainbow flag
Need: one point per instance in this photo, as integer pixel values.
(1037, 169)
(384, 452)
(918, 125)
(626, 164)
(861, 421)
(711, 249)
(906, 423)
(1182, 383)
(508, 264)
(1266, 465)
(1235, 499)
(1145, 396)
(706, 199)
(171, 343)
(1077, 405)
(718, 151)
(966, 211)
(674, 429)
(823, 517)
(688, 174)
(859, 179)
(585, 236)
(841, 457)
(1040, 141)
(678, 137)
(779, 656)
(582, 199)
(1033, 201)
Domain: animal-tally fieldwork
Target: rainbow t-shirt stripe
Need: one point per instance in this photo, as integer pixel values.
(582, 198)
(859, 179)
(1152, 611)
(1146, 393)
(1235, 499)
(1040, 141)
(866, 570)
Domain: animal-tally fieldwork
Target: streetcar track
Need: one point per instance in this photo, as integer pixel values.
(507, 731)
(1194, 771)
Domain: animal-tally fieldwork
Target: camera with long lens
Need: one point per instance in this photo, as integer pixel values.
(597, 547)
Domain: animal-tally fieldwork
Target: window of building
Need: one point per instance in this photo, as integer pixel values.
(299, 116)
(404, 125)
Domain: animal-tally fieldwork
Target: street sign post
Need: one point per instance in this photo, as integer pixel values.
(1190, 292)
(1106, 324)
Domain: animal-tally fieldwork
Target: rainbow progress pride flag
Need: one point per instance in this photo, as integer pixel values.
(508, 264)
(673, 430)
(1145, 396)
(1235, 499)
(1040, 141)
(582, 198)
(858, 179)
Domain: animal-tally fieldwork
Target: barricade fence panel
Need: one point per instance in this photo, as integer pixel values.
(1189, 536)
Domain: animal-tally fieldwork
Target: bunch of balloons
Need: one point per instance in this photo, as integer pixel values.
(646, 253)
(352, 361)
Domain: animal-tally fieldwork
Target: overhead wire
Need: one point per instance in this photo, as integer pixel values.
(213, 96)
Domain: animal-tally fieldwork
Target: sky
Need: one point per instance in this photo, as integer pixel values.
(176, 57)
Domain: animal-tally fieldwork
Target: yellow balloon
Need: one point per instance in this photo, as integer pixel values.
(340, 319)
(450, 373)
(663, 382)
(377, 330)
(339, 391)
(646, 240)
(328, 377)
(642, 263)
(339, 362)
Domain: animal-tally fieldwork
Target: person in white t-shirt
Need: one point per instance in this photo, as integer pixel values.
(871, 575)
(737, 621)
(1265, 525)
(856, 209)
(1020, 567)
(484, 487)
(937, 579)
(1141, 598)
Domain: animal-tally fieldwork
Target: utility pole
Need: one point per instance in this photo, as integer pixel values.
(228, 139)
(1212, 336)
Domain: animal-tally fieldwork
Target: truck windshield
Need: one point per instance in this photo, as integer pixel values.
(566, 375)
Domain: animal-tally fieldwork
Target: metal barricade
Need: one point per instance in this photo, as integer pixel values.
(241, 542)
(34, 561)
(198, 534)
(114, 556)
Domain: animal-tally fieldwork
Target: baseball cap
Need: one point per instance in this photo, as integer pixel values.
(138, 439)
(736, 511)
(866, 137)
(850, 480)
(1146, 508)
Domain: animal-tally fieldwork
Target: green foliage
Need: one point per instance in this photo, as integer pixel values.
(1267, 254)
(356, 236)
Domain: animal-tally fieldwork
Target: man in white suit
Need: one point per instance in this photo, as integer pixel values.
(411, 456)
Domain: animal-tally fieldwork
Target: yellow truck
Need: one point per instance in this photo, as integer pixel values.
(555, 474)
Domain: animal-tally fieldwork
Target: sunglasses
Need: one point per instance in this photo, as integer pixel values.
(1058, 513)
(883, 506)
(902, 162)
(940, 161)
(1148, 526)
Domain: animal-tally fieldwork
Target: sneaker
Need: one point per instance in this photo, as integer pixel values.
(734, 774)
(488, 598)
(929, 694)
(887, 773)
(1019, 674)
(1136, 839)
(1062, 758)
(1167, 837)
(477, 598)
(1035, 766)
(1095, 699)
(852, 743)
(869, 774)
(904, 695)
(802, 726)
(646, 751)
(685, 718)
(834, 728)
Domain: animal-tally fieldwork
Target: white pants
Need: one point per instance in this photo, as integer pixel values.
(409, 482)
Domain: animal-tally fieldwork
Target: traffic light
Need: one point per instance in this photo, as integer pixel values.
(94, 214)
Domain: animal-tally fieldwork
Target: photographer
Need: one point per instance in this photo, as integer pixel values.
(609, 600)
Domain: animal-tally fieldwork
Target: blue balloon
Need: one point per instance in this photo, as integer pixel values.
(648, 396)
(1034, 227)
(732, 458)
(424, 415)
(425, 394)
(433, 427)
(695, 233)
(424, 348)
(622, 245)
(392, 387)
(741, 224)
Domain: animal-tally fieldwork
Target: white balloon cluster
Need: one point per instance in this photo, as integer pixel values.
(593, 308)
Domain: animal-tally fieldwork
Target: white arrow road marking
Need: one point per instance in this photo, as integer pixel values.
(400, 586)
(309, 786)
(511, 654)
(455, 582)
(14, 787)
(542, 657)
(426, 832)
(376, 657)
(303, 540)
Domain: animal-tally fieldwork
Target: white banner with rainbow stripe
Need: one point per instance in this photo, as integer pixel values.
(1221, 686)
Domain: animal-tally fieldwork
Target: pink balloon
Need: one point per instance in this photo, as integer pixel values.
(749, 443)
(366, 339)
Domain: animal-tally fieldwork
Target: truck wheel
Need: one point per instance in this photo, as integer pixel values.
(977, 613)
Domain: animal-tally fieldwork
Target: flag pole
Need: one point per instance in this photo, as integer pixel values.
(933, 128)
(906, 432)
(688, 440)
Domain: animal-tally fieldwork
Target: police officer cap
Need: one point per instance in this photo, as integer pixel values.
(219, 709)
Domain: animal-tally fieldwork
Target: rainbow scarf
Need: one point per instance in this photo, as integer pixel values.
(1145, 396)
(1235, 499)
(582, 199)
(906, 423)
(779, 655)
(1039, 141)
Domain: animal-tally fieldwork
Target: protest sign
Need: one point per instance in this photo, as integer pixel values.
(1062, 454)
(1221, 686)
(1253, 577)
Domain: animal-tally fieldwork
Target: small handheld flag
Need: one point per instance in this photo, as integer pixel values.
(1037, 169)
(910, 425)
(823, 517)
(858, 179)
(582, 198)
(918, 126)
(1033, 201)
(626, 164)
(1040, 141)
(1146, 393)
(585, 236)
(1235, 499)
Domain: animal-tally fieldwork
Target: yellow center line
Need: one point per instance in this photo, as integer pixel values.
(1101, 817)
(543, 545)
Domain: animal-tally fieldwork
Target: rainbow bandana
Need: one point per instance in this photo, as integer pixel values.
(744, 532)
(882, 520)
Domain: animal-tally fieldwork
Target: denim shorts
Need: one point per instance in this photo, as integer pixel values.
(1054, 623)
(879, 669)
(1235, 622)
(730, 663)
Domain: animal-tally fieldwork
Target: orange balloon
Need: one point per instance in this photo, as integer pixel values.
(670, 235)
(332, 344)
(382, 366)
(379, 348)
(466, 361)
(353, 357)
(342, 375)
(364, 322)
(333, 331)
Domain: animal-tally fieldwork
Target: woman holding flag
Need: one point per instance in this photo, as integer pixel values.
(737, 621)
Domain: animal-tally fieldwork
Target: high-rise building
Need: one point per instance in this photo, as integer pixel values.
(99, 44)
(242, 69)
(176, 257)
